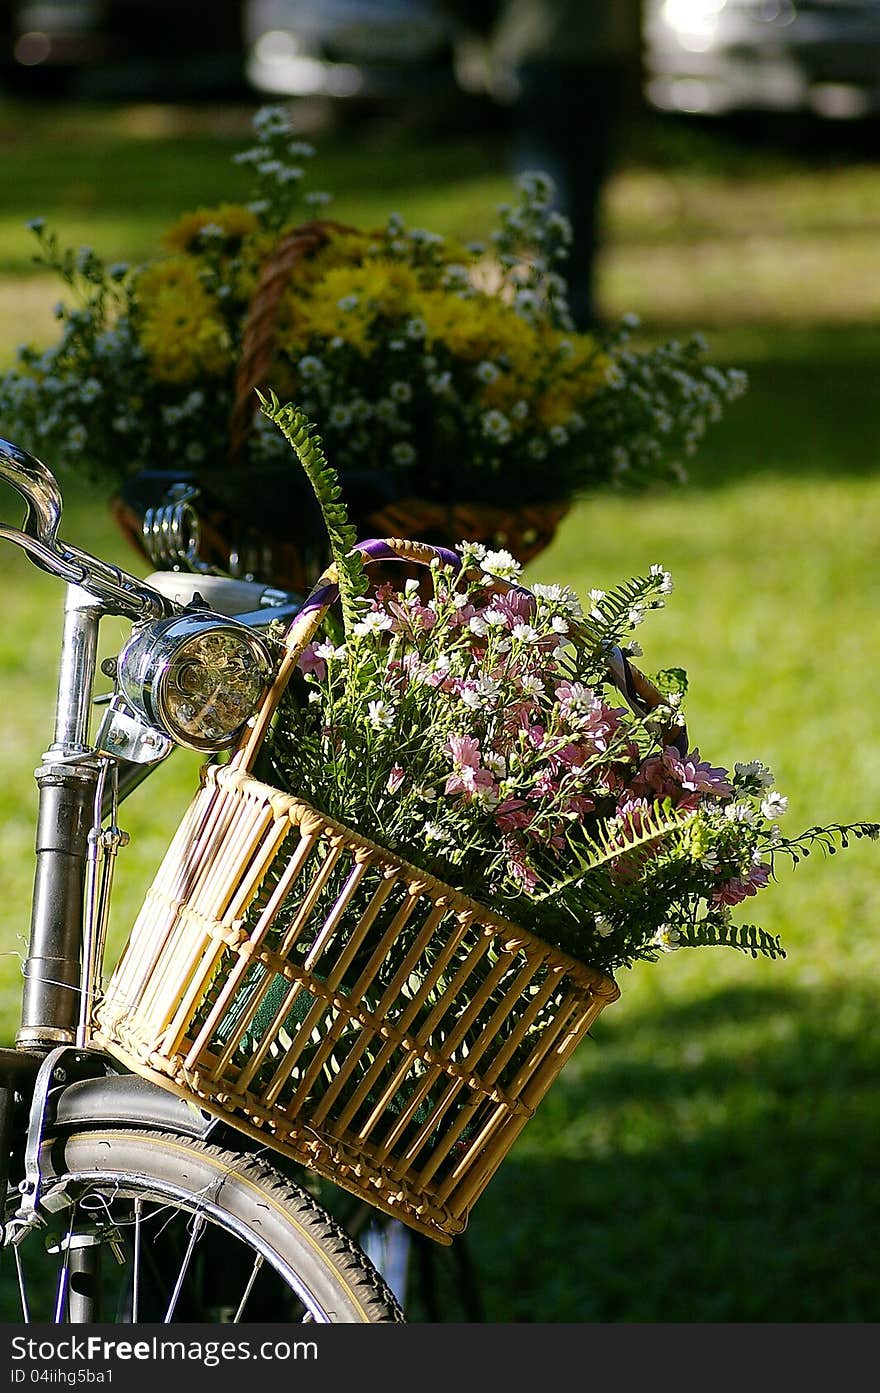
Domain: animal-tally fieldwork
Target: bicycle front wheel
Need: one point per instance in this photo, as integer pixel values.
(148, 1226)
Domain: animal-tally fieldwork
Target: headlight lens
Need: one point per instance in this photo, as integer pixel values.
(196, 677)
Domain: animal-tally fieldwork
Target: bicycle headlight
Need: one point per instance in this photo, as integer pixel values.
(198, 677)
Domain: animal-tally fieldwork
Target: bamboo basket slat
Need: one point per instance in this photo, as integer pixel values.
(323, 995)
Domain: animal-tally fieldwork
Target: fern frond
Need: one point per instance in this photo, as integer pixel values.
(608, 847)
(746, 938)
(306, 444)
(836, 836)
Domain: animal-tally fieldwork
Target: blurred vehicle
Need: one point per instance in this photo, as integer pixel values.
(367, 49)
(136, 48)
(714, 57)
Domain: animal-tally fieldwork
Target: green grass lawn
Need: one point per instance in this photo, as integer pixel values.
(711, 1154)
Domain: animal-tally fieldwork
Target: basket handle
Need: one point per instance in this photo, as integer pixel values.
(639, 691)
(308, 620)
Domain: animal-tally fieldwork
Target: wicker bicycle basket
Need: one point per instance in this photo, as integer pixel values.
(323, 995)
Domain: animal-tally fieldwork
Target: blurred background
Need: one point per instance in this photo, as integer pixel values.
(711, 1154)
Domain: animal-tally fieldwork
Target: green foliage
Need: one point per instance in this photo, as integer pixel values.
(341, 536)
(619, 847)
(747, 938)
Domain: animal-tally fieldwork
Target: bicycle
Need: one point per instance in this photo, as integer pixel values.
(123, 1202)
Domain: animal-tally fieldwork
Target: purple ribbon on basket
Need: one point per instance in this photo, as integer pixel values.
(373, 550)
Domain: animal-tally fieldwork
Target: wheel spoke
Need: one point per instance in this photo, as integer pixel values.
(22, 1288)
(64, 1274)
(195, 1234)
(258, 1263)
(136, 1260)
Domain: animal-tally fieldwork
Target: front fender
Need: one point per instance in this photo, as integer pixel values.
(120, 1100)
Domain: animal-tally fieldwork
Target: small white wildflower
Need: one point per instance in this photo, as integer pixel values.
(558, 435)
(400, 391)
(613, 376)
(380, 715)
(269, 120)
(740, 812)
(526, 302)
(774, 805)
(347, 303)
(373, 623)
(496, 764)
(495, 619)
(90, 390)
(434, 832)
(603, 926)
(403, 453)
(488, 689)
(478, 626)
(666, 584)
(667, 939)
(753, 773)
(559, 625)
(526, 633)
(486, 372)
(501, 563)
(532, 686)
(310, 367)
(636, 616)
(634, 649)
(329, 652)
(495, 425)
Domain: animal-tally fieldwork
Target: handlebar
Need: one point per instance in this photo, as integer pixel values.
(38, 536)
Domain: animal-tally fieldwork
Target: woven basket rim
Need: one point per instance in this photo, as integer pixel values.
(598, 983)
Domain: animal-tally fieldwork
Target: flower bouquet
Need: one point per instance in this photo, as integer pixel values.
(454, 396)
(384, 926)
(479, 732)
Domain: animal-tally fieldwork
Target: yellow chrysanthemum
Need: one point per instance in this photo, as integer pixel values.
(578, 370)
(248, 265)
(235, 220)
(348, 300)
(342, 249)
(478, 328)
(178, 327)
(173, 273)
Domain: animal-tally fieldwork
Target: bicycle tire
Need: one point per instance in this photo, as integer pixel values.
(150, 1198)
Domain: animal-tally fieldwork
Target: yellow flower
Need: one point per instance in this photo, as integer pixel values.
(576, 372)
(236, 222)
(342, 249)
(478, 328)
(347, 302)
(178, 326)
